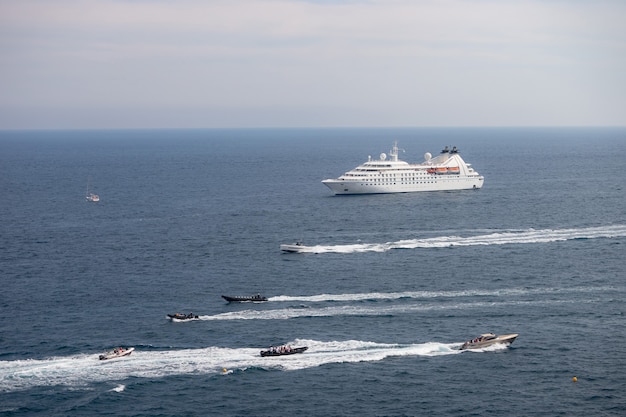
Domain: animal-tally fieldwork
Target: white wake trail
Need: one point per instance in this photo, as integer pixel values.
(496, 238)
(372, 296)
(83, 370)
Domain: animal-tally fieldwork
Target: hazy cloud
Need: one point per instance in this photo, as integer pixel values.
(193, 63)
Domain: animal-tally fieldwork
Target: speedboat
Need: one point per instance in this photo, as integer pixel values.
(488, 339)
(180, 316)
(283, 350)
(294, 247)
(249, 298)
(388, 174)
(116, 353)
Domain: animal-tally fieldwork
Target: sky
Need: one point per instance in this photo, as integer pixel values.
(92, 64)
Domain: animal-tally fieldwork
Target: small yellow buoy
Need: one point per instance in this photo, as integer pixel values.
(574, 379)
(224, 370)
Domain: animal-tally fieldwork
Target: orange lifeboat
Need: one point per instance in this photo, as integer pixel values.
(453, 170)
(441, 170)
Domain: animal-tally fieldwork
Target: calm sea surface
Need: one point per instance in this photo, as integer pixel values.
(397, 284)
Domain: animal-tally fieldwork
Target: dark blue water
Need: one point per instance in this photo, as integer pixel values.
(397, 284)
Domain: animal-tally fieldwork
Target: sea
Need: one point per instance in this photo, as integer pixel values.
(396, 284)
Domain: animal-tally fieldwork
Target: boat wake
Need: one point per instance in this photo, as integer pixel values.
(83, 370)
(495, 238)
(351, 310)
(428, 301)
(421, 295)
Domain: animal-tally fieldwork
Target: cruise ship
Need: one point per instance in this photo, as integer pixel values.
(446, 171)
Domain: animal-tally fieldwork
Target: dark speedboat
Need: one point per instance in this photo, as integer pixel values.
(488, 339)
(257, 297)
(283, 350)
(116, 353)
(180, 316)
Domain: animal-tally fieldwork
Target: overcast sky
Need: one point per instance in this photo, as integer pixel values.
(324, 63)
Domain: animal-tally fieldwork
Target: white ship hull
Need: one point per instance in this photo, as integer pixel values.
(445, 172)
(448, 184)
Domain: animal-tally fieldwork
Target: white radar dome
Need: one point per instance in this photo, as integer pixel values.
(428, 156)
(383, 156)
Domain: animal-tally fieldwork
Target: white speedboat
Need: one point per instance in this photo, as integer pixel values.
(294, 247)
(488, 339)
(116, 353)
(388, 174)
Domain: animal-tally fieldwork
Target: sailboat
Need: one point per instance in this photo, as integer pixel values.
(90, 196)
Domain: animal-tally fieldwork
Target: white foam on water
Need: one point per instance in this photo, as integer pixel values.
(80, 371)
(381, 310)
(496, 238)
(432, 294)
